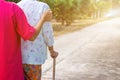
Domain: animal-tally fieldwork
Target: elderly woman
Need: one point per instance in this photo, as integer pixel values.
(34, 53)
(13, 25)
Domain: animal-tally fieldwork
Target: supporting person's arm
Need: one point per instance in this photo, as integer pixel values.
(23, 28)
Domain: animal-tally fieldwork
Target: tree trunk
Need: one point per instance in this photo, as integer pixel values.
(63, 22)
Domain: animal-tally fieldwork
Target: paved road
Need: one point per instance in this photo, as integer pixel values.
(89, 54)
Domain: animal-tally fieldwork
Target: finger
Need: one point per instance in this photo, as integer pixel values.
(50, 10)
(54, 56)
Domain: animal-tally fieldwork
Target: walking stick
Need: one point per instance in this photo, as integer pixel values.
(54, 63)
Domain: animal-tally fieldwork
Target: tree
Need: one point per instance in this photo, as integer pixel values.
(64, 10)
(93, 8)
(115, 3)
(103, 6)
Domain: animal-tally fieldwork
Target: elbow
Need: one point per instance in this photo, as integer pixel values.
(32, 39)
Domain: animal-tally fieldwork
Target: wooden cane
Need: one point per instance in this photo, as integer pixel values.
(54, 64)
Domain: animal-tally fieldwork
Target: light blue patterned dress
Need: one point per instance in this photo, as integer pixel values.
(35, 52)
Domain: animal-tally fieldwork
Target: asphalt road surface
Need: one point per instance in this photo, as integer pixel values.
(92, 53)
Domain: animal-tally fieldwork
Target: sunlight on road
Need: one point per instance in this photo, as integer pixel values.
(94, 57)
(113, 13)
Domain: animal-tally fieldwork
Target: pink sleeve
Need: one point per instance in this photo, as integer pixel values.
(25, 30)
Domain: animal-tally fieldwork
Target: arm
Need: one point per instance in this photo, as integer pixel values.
(48, 35)
(26, 31)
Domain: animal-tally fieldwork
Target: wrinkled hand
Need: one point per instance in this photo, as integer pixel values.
(47, 15)
(54, 54)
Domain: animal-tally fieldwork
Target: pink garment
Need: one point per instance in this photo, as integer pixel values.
(13, 24)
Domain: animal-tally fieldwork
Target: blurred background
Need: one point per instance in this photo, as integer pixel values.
(80, 13)
(91, 50)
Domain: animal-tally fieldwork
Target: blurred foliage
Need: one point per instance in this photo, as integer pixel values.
(116, 3)
(66, 11)
(13, 0)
